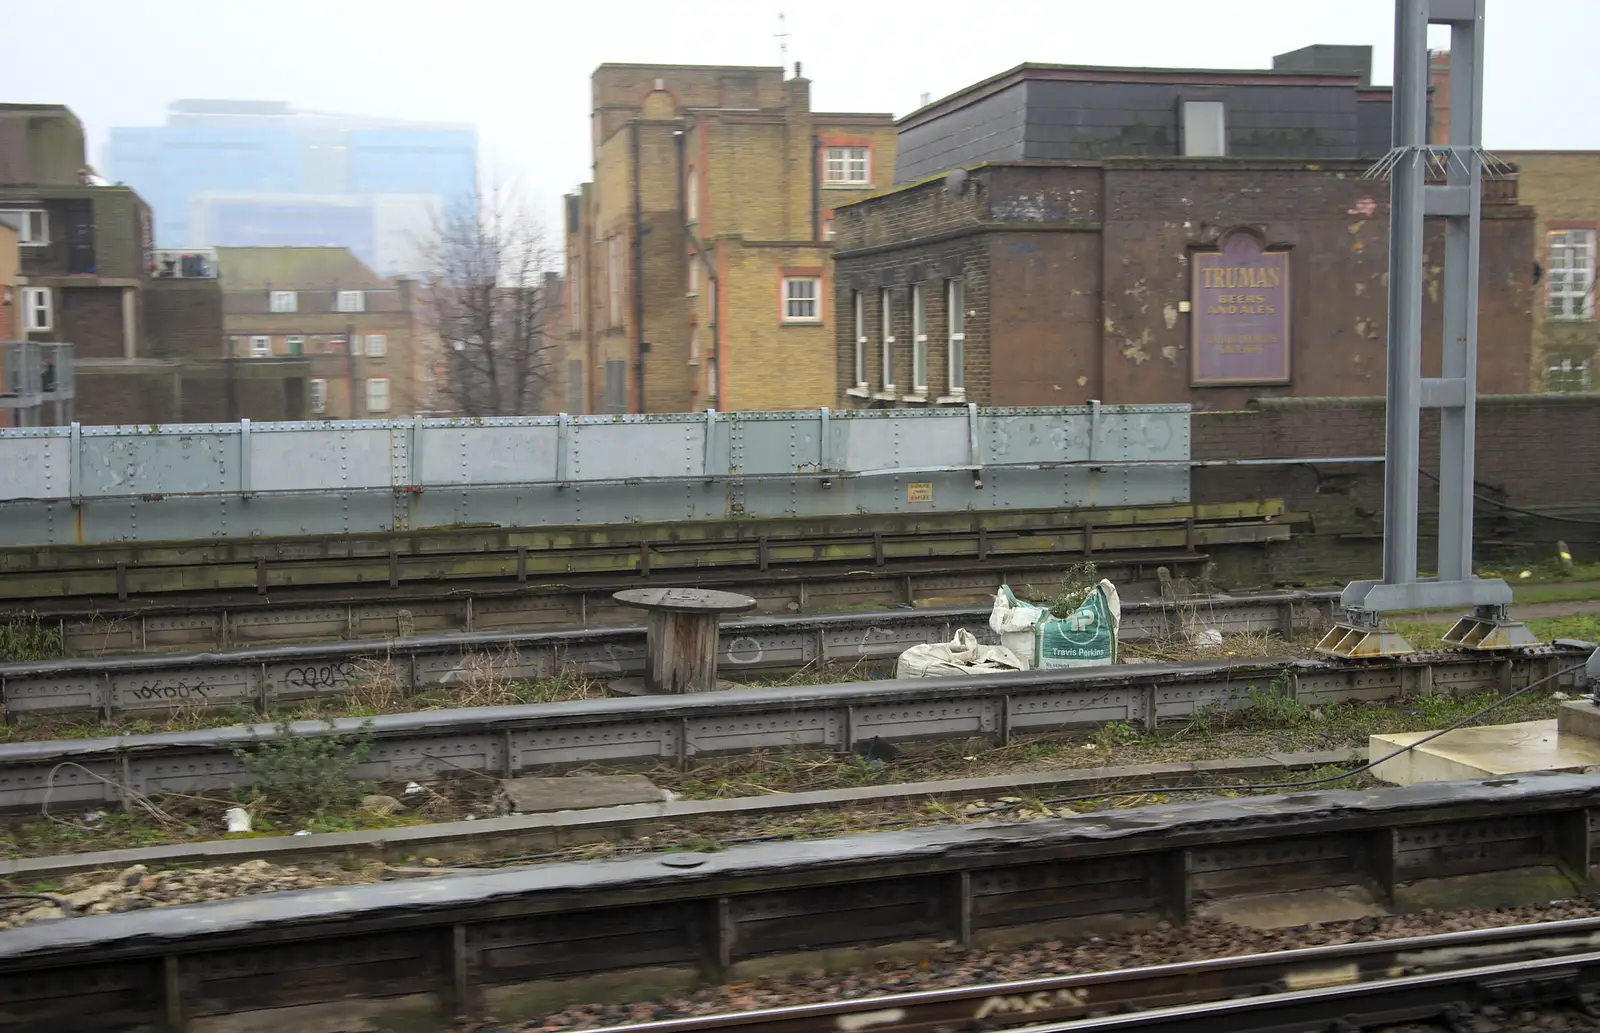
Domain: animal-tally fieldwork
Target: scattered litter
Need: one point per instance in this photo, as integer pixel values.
(1559, 695)
(1526, 574)
(380, 804)
(238, 819)
(1206, 637)
(412, 789)
(302, 832)
(94, 817)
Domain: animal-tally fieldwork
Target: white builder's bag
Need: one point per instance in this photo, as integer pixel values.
(963, 655)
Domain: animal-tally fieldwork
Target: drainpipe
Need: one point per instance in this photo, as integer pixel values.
(638, 270)
(707, 263)
(816, 189)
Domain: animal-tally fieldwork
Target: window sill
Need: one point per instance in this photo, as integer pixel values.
(800, 322)
(919, 399)
(960, 399)
(885, 396)
(858, 392)
(847, 186)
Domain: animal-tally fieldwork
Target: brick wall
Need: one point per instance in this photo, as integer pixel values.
(182, 319)
(90, 319)
(1564, 189)
(1335, 226)
(120, 394)
(1534, 453)
(931, 265)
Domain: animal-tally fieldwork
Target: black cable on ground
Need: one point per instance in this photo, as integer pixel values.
(1114, 793)
(1368, 766)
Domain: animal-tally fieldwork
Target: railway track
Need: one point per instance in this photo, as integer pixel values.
(1365, 984)
(222, 620)
(650, 730)
(265, 677)
(524, 942)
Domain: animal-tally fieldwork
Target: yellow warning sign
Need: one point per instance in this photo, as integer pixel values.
(919, 491)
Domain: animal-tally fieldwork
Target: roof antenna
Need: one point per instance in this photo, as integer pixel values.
(782, 36)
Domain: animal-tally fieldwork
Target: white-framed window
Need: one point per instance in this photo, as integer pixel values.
(859, 305)
(37, 312)
(351, 301)
(294, 345)
(377, 346)
(956, 318)
(614, 281)
(319, 395)
(802, 299)
(34, 226)
(694, 342)
(1568, 375)
(1205, 129)
(694, 274)
(378, 394)
(711, 377)
(283, 301)
(827, 228)
(847, 166)
(919, 339)
(260, 347)
(886, 316)
(691, 195)
(1570, 277)
(335, 344)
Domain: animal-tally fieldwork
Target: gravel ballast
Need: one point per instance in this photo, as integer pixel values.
(953, 966)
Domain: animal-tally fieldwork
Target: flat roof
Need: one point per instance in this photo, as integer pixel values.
(1112, 73)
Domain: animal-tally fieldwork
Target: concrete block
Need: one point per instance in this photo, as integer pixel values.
(1486, 751)
(579, 792)
(1579, 718)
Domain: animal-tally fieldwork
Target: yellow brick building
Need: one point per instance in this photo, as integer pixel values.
(698, 258)
(1564, 189)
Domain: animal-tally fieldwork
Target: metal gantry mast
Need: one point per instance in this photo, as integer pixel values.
(1410, 164)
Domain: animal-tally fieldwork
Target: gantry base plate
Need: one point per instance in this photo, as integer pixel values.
(1362, 642)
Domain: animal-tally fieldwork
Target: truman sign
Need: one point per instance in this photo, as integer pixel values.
(1240, 314)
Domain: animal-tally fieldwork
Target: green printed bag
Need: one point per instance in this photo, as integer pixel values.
(1087, 637)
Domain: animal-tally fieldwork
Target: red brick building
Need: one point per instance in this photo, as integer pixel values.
(1083, 280)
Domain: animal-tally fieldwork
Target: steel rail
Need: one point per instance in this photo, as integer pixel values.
(509, 740)
(263, 677)
(1455, 995)
(1033, 1002)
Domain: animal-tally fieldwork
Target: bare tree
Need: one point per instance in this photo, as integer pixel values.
(486, 297)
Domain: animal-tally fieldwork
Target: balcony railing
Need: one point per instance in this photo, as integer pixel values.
(185, 263)
(31, 374)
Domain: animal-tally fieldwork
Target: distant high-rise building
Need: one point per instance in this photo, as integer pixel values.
(226, 173)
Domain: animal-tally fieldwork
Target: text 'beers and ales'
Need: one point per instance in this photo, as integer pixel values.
(1233, 277)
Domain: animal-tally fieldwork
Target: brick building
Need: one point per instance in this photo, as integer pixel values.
(324, 309)
(1150, 235)
(698, 259)
(145, 325)
(1564, 189)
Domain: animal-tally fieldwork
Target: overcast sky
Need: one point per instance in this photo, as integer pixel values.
(519, 69)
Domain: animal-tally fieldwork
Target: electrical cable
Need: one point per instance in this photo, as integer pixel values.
(1507, 507)
(1115, 793)
(1368, 766)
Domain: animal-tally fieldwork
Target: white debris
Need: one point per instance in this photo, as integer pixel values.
(412, 789)
(238, 819)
